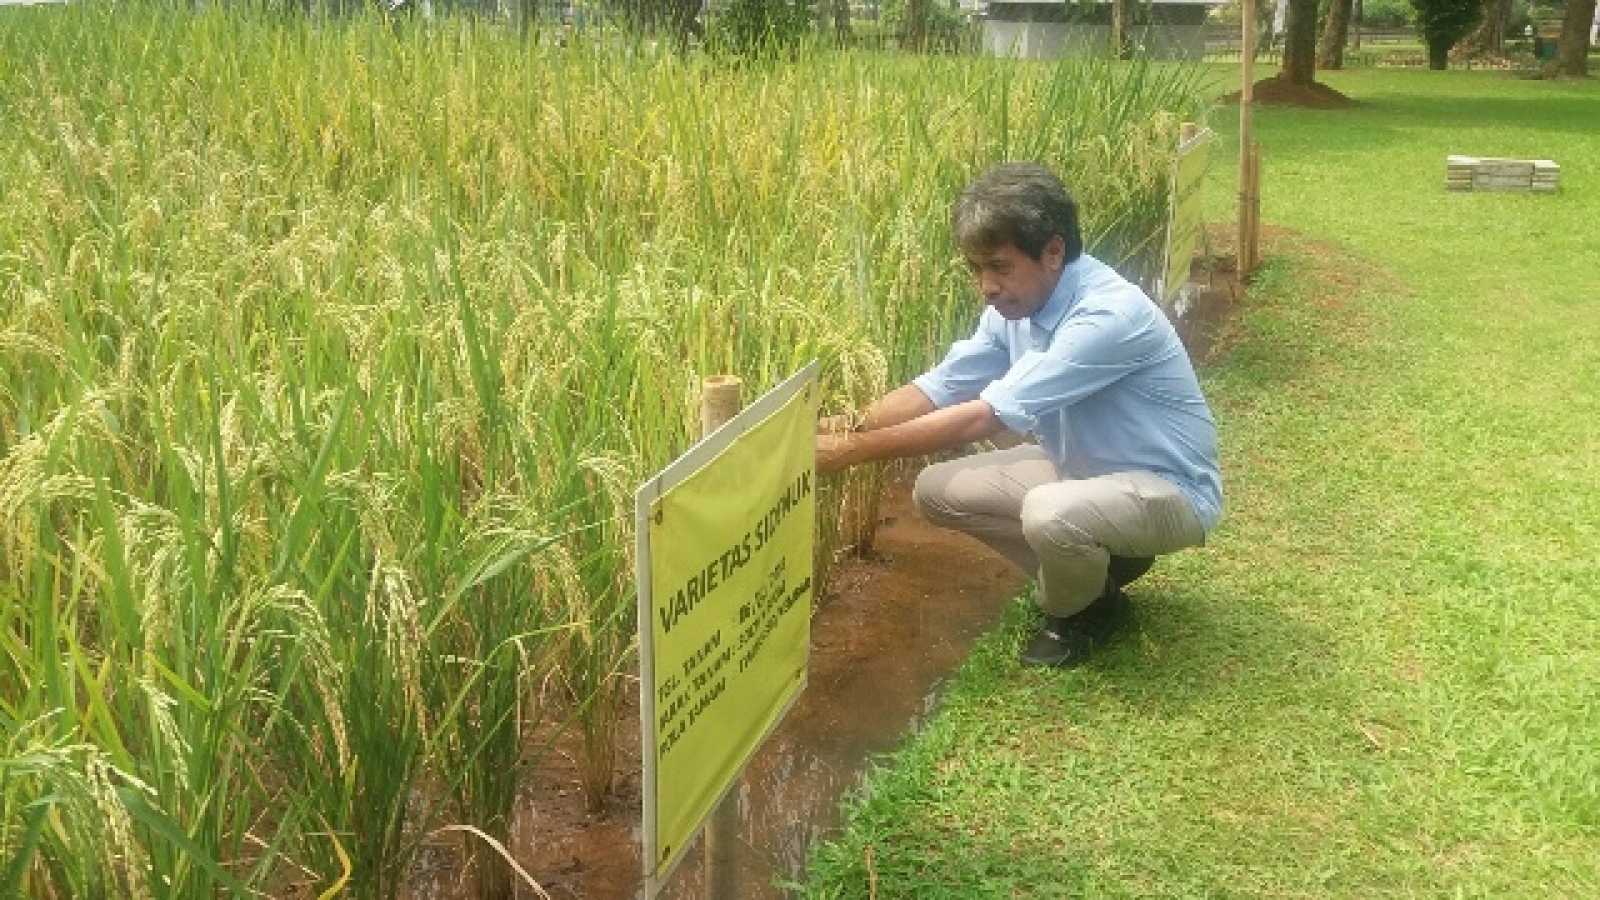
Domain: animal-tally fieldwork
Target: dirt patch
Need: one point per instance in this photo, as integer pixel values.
(1276, 91)
(1215, 292)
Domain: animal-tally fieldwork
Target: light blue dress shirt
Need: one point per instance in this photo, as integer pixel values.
(1100, 377)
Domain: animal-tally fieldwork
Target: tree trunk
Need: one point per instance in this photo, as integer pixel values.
(1330, 52)
(916, 36)
(1300, 43)
(1489, 38)
(834, 16)
(841, 21)
(1438, 55)
(1122, 15)
(1572, 56)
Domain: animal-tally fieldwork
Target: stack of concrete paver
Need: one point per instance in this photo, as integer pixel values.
(1485, 173)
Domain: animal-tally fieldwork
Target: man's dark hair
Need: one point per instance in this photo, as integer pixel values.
(1022, 204)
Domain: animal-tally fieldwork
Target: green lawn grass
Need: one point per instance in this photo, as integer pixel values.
(1382, 676)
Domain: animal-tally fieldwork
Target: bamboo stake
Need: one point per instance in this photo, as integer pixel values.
(1255, 205)
(1246, 211)
(1249, 250)
(1247, 69)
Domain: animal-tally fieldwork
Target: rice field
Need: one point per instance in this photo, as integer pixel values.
(333, 348)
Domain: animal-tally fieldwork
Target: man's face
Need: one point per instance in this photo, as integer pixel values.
(1011, 281)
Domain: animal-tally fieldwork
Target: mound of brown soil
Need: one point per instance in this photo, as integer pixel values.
(1276, 91)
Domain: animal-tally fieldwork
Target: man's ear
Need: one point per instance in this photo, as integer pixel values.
(1054, 255)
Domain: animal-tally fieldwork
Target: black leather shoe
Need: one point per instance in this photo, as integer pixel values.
(1065, 641)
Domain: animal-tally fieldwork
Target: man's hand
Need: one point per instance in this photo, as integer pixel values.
(942, 429)
(832, 452)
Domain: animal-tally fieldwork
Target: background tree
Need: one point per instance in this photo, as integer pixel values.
(1394, 14)
(1572, 57)
(674, 18)
(915, 36)
(760, 26)
(1442, 23)
(835, 14)
(1300, 43)
(1335, 31)
(1489, 38)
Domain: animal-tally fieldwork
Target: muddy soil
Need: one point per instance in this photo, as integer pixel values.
(894, 626)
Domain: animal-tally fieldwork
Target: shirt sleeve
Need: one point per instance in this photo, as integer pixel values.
(1089, 351)
(971, 365)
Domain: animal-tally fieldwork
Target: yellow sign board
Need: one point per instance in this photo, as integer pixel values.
(726, 538)
(1183, 224)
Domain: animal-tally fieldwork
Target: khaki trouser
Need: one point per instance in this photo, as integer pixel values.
(1065, 530)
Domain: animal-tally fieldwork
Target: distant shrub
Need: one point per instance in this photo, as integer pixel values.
(1388, 14)
(947, 25)
(753, 27)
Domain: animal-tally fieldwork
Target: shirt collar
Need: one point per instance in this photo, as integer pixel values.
(1061, 299)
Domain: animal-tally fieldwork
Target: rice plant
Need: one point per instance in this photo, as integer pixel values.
(331, 352)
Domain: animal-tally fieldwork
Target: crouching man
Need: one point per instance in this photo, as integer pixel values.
(1124, 467)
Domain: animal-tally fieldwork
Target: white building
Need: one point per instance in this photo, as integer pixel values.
(1048, 29)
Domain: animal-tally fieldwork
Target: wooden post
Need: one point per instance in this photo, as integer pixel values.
(1250, 211)
(720, 401)
(1247, 70)
(719, 850)
(1186, 133)
(1255, 205)
(1247, 208)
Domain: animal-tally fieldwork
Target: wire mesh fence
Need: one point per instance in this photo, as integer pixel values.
(1400, 48)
